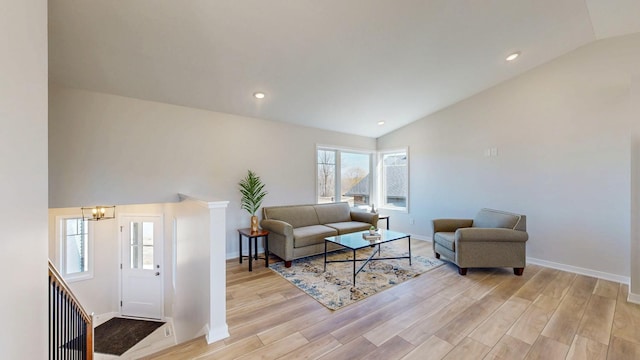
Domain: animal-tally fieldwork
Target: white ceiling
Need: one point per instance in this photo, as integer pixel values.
(340, 65)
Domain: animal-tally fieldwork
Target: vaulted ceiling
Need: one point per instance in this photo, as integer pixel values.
(341, 65)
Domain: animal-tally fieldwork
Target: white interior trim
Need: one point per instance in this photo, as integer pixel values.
(633, 298)
(579, 270)
(217, 333)
(103, 318)
(211, 204)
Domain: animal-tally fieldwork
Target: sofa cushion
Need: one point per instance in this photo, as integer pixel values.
(349, 226)
(333, 213)
(311, 235)
(487, 218)
(446, 240)
(297, 216)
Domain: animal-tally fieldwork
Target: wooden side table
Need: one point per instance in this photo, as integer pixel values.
(384, 217)
(261, 233)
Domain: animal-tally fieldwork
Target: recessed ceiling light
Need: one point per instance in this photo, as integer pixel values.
(258, 95)
(380, 123)
(513, 56)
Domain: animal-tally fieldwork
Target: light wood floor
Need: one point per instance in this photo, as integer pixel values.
(488, 314)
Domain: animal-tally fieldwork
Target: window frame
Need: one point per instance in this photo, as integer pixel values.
(338, 173)
(381, 180)
(61, 247)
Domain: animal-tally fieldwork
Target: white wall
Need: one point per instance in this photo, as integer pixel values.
(134, 151)
(23, 177)
(562, 132)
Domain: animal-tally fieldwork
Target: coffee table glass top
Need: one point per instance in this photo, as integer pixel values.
(356, 241)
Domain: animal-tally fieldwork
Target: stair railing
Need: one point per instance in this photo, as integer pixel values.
(70, 326)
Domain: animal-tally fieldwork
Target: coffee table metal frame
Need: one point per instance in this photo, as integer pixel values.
(355, 241)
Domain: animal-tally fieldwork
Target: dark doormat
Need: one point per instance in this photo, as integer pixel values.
(118, 335)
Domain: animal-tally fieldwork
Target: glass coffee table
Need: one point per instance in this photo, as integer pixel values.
(355, 241)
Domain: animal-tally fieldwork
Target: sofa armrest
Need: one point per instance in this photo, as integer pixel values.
(365, 217)
(278, 227)
(490, 234)
(450, 225)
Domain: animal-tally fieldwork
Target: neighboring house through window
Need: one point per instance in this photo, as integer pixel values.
(394, 180)
(343, 175)
(346, 175)
(76, 248)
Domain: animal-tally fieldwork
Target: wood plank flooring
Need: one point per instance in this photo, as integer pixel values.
(488, 314)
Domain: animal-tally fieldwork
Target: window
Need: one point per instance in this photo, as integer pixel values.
(394, 180)
(75, 256)
(141, 242)
(343, 175)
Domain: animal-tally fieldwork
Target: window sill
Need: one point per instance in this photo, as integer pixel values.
(394, 209)
(76, 278)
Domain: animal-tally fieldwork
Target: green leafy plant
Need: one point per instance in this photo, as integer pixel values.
(252, 190)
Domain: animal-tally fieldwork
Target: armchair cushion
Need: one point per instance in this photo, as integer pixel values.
(446, 240)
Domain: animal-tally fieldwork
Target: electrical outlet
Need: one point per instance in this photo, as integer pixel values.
(167, 331)
(412, 221)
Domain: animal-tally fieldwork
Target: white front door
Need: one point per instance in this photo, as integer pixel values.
(142, 269)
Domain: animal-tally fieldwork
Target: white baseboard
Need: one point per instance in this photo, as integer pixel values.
(103, 318)
(216, 334)
(633, 298)
(421, 238)
(579, 270)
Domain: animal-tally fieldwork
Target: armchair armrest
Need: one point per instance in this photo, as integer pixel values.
(490, 234)
(450, 225)
(278, 227)
(365, 217)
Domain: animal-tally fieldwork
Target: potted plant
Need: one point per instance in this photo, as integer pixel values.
(252, 190)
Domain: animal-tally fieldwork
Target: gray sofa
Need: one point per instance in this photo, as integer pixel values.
(297, 231)
(492, 239)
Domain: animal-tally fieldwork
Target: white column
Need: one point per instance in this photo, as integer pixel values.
(24, 179)
(218, 328)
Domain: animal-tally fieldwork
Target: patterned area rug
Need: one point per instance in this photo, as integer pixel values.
(334, 288)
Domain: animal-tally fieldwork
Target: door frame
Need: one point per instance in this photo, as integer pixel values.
(120, 263)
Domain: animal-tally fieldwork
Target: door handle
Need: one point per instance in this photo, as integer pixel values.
(158, 273)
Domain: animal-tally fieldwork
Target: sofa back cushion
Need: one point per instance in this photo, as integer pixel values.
(296, 215)
(333, 213)
(488, 218)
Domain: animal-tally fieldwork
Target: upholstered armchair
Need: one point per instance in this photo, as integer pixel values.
(492, 239)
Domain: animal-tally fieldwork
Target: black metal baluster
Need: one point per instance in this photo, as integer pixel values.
(57, 324)
(50, 316)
